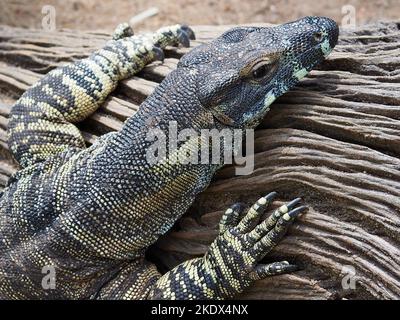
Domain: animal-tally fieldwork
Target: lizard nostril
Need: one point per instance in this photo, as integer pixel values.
(318, 36)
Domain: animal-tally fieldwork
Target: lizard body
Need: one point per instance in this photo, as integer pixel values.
(92, 212)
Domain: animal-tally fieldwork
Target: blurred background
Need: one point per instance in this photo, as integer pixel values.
(106, 14)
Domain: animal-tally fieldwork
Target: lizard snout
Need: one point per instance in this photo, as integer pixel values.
(327, 32)
(331, 29)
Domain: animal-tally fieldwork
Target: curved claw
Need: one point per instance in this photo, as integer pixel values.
(189, 31)
(295, 212)
(271, 196)
(293, 203)
(183, 38)
(275, 268)
(158, 54)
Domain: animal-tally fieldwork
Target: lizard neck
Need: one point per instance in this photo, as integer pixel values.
(152, 196)
(173, 110)
(174, 100)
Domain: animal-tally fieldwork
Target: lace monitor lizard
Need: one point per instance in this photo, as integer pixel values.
(92, 212)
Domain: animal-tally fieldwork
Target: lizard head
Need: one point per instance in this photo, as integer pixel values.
(239, 74)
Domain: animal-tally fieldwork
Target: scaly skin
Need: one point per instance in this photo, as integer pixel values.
(92, 212)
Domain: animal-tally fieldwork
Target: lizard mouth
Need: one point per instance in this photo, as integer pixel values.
(223, 119)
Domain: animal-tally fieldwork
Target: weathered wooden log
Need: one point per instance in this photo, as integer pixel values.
(335, 140)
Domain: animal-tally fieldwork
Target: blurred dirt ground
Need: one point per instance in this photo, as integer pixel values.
(106, 14)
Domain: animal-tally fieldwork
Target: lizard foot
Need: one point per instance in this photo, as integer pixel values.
(245, 238)
(123, 30)
(152, 45)
(174, 36)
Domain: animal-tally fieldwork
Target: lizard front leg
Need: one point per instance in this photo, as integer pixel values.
(42, 121)
(232, 262)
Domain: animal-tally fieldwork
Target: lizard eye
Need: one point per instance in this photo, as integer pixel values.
(262, 69)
